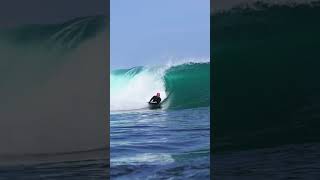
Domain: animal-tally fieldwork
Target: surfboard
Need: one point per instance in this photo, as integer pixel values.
(154, 105)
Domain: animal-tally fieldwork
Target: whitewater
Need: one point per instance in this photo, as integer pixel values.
(133, 88)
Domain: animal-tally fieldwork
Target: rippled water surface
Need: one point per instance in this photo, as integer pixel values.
(160, 144)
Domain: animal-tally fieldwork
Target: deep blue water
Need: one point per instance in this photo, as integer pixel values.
(160, 144)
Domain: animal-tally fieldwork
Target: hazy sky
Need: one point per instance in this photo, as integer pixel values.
(16, 12)
(149, 32)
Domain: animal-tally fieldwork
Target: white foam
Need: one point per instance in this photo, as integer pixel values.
(136, 91)
(144, 158)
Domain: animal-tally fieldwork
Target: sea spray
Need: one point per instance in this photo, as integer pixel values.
(133, 88)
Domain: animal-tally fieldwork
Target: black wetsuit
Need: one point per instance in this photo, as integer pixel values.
(155, 99)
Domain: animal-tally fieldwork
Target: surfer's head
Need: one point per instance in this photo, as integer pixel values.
(158, 94)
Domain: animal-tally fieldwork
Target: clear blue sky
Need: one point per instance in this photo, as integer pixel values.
(149, 32)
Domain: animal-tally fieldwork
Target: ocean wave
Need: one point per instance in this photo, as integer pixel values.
(52, 87)
(181, 84)
(266, 73)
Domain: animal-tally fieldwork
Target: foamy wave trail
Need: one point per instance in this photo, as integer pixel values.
(181, 85)
(52, 88)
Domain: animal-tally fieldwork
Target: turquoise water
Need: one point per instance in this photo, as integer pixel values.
(181, 85)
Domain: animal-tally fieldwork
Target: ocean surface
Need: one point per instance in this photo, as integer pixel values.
(168, 143)
(266, 92)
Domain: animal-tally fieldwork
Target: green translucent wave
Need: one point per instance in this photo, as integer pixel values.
(186, 85)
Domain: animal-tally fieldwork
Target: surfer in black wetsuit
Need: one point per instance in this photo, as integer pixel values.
(155, 99)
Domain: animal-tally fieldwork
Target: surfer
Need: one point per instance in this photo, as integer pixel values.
(155, 99)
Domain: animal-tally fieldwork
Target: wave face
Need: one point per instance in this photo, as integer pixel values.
(52, 87)
(266, 72)
(181, 86)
